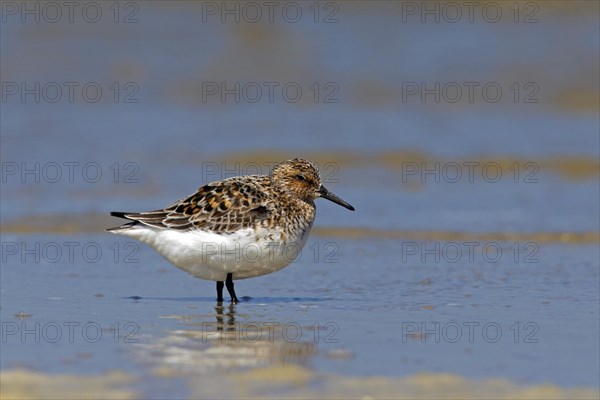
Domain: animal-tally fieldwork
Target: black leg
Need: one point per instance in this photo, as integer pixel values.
(229, 285)
(220, 291)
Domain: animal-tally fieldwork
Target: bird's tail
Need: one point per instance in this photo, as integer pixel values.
(127, 226)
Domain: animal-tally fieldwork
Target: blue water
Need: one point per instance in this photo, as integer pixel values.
(374, 293)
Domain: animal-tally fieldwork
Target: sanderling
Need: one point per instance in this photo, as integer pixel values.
(237, 228)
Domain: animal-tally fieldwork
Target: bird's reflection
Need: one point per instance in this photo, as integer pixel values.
(222, 312)
(227, 340)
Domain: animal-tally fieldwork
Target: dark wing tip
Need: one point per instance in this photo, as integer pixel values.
(125, 215)
(150, 218)
(119, 214)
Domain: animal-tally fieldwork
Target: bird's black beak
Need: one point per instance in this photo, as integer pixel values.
(323, 192)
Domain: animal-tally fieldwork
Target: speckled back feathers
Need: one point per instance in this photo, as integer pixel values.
(284, 198)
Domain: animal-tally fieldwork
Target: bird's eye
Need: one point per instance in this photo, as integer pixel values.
(300, 177)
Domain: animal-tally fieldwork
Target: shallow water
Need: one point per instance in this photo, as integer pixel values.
(374, 316)
(478, 274)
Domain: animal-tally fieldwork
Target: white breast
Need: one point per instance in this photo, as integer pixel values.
(246, 253)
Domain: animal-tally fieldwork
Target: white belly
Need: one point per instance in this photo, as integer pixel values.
(246, 253)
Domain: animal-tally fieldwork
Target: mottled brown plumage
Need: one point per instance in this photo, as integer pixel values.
(221, 207)
(242, 202)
